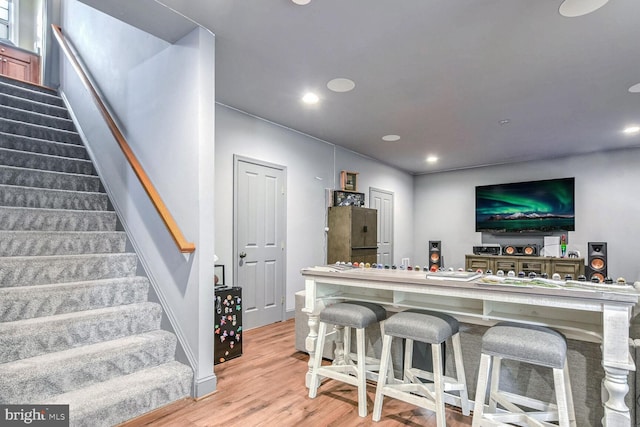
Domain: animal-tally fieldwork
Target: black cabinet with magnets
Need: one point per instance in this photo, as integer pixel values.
(227, 343)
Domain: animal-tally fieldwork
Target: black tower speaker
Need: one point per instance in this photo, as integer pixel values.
(597, 260)
(435, 255)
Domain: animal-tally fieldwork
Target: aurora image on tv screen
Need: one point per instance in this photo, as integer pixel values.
(524, 207)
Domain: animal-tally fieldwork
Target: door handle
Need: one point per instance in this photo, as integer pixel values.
(242, 254)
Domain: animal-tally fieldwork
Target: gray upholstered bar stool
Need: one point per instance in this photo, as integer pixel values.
(536, 345)
(352, 314)
(432, 328)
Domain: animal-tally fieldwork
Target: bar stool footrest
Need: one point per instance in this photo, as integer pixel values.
(502, 419)
(417, 400)
(338, 372)
(505, 399)
(449, 383)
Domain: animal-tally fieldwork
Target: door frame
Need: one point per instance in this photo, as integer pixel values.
(239, 158)
(393, 200)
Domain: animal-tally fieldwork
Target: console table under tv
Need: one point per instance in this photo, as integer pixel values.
(528, 264)
(585, 314)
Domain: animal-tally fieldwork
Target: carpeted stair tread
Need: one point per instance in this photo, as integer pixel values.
(33, 117)
(36, 107)
(17, 218)
(28, 302)
(45, 97)
(47, 162)
(38, 131)
(42, 146)
(40, 377)
(27, 197)
(43, 243)
(31, 93)
(127, 397)
(25, 177)
(27, 85)
(23, 339)
(42, 270)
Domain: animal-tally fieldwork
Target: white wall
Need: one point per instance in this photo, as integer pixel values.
(27, 24)
(310, 171)
(607, 206)
(162, 95)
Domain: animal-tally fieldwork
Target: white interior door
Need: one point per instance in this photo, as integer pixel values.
(259, 234)
(383, 202)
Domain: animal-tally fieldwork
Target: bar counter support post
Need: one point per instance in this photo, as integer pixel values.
(617, 364)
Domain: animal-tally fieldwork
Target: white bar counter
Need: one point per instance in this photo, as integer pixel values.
(585, 312)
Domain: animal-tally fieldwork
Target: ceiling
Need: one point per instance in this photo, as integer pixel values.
(441, 74)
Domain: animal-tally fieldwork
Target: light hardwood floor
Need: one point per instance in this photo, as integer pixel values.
(265, 387)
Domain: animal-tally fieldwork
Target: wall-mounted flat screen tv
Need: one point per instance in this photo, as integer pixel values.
(526, 207)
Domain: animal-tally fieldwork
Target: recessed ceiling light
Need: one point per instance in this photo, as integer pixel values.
(301, 2)
(635, 88)
(391, 138)
(310, 98)
(632, 129)
(432, 159)
(341, 85)
(574, 8)
(504, 122)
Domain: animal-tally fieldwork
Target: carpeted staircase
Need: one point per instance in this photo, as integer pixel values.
(76, 326)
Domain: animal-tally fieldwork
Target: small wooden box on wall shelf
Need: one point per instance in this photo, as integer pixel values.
(349, 181)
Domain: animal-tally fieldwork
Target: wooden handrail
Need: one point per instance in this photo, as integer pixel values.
(170, 223)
